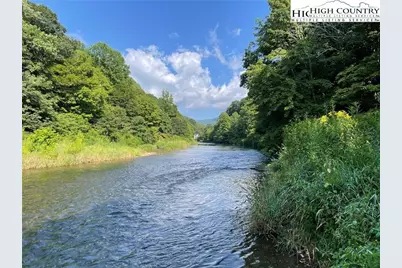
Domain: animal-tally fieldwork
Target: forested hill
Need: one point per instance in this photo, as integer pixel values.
(69, 88)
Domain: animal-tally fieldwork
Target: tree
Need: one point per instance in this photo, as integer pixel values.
(124, 93)
(221, 132)
(181, 127)
(43, 45)
(234, 107)
(146, 106)
(114, 121)
(235, 128)
(110, 61)
(81, 86)
(167, 105)
(41, 17)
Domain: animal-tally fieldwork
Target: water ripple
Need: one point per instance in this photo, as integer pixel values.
(182, 209)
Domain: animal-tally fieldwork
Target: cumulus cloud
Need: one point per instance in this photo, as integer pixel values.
(174, 35)
(182, 73)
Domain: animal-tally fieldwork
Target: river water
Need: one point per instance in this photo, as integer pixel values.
(183, 209)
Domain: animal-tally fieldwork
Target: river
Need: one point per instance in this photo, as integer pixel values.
(182, 209)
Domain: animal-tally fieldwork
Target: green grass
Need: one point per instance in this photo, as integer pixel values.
(321, 197)
(45, 148)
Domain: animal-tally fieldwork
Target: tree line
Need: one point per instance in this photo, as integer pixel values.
(70, 88)
(295, 71)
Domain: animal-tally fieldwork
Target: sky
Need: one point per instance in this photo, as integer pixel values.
(193, 49)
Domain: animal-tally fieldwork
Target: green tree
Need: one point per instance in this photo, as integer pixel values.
(43, 45)
(80, 85)
(221, 132)
(110, 61)
(167, 104)
(146, 106)
(113, 122)
(234, 107)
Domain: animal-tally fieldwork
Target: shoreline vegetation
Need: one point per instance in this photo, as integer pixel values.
(79, 150)
(320, 198)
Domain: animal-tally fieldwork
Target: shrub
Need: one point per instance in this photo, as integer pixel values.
(40, 140)
(69, 123)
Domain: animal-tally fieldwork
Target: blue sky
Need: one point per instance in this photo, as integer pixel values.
(191, 48)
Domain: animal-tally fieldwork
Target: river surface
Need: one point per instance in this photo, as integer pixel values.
(183, 209)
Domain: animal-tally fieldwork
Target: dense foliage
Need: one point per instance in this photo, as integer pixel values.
(69, 89)
(299, 70)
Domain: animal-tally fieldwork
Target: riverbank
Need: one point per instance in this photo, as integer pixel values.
(321, 197)
(70, 151)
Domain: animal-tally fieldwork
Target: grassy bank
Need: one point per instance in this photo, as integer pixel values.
(321, 197)
(46, 148)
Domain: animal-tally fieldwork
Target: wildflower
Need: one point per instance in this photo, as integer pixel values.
(324, 119)
(342, 114)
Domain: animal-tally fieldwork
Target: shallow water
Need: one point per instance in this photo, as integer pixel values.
(183, 209)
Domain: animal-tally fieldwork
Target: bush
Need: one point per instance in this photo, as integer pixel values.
(69, 123)
(322, 193)
(43, 139)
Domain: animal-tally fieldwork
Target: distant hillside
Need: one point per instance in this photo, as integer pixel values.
(207, 121)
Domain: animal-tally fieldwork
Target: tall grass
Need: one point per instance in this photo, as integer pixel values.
(321, 197)
(45, 148)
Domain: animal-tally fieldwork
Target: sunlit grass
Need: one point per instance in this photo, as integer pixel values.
(83, 149)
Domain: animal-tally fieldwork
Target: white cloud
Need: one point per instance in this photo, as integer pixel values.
(205, 52)
(148, 67)
(236, 32)
(235, 62)
(214, 41)
(183, 75)
(174, 35)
